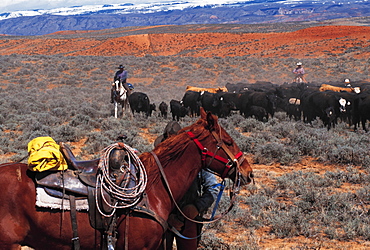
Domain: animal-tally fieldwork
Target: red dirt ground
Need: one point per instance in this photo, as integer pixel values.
(315, 42)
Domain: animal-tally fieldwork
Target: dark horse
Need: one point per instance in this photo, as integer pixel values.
(205, 144)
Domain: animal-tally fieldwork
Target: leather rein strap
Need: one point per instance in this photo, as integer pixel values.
(75, 239)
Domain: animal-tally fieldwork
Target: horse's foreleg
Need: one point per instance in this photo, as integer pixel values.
(115, 109)
(123, 108)
(13, 231)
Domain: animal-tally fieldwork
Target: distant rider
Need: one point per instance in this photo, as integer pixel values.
(299, 72)
(121, 75)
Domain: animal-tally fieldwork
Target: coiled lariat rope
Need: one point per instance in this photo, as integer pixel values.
(132, 187)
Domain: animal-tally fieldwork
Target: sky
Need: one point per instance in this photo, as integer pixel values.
(27, 5)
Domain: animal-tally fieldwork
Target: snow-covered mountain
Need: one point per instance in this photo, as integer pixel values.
(105, 9)
(94, 17)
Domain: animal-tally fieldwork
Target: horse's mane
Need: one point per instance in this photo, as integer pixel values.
(170, 149)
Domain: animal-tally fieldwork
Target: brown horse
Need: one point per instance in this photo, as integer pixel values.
(205, 144)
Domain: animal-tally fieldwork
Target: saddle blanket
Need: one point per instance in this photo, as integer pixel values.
(46, 201)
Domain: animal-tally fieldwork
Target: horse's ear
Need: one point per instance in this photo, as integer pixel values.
(211, 121)
(203, 113)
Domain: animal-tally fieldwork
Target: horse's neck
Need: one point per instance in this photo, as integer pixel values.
(121, 90)
(180, 173)
(119, 87)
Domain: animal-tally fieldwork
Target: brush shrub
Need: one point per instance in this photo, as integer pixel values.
(68, 98)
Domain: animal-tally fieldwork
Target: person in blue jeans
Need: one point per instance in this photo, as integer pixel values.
(196, 201)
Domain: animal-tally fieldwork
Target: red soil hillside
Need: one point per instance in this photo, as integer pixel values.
(320, 41)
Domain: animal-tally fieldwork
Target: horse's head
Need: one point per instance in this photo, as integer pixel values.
(220, 154)
(117, 85)
(120, 92)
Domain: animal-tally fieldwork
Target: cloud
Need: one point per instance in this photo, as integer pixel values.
(22, 5)
(27, 5)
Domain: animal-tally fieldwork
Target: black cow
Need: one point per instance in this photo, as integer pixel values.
(216, 104)
(163, 108)
(236, 87)
(346, 105)
(324, 105)
(178, 110)
(257, 112)
(151, 108)
(210, 102)
(139, 102)
(191, 99)
(225, 109)
(293, 110)
(362, 110)
(261, 99)
(262, 86)
(289, 91)
(305, 106)
(230, 98)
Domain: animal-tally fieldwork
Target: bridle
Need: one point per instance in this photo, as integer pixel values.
(231, 164)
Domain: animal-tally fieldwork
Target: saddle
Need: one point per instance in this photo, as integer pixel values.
(78, 181)
(74, 180)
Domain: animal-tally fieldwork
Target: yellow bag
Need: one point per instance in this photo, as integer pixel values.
(44, 154)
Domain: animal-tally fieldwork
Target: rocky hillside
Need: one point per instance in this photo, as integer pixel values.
(269, 41)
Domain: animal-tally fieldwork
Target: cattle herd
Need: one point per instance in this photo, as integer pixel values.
(330, 102)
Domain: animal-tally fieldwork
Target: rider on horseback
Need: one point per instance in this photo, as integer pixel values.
(299, 73)
(121, 75)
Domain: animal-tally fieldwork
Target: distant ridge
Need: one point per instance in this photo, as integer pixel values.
(41, 22)
(249, 40)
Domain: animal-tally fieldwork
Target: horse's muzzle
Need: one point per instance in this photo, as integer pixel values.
(246, 179)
